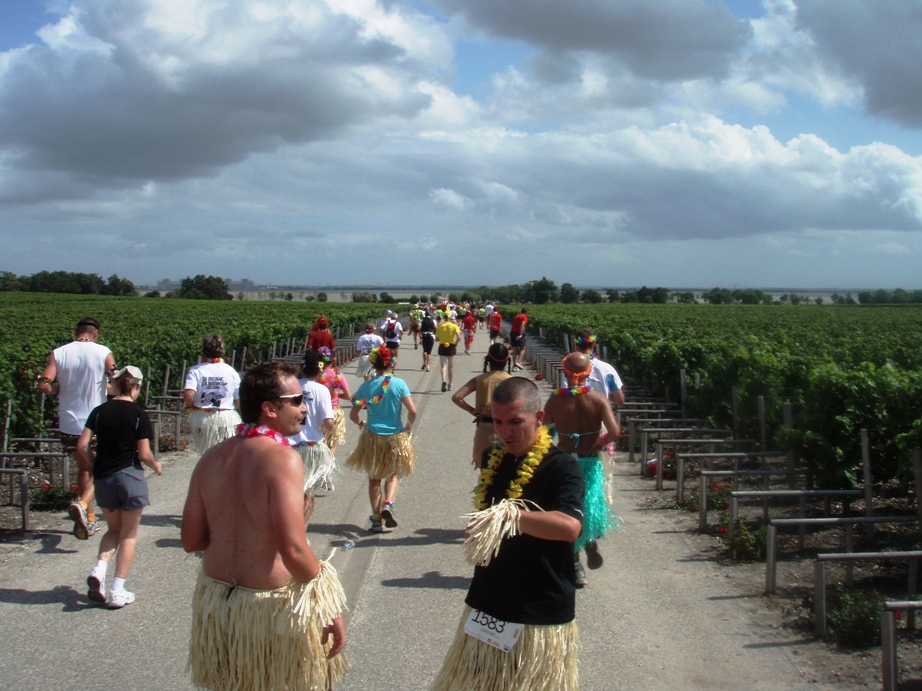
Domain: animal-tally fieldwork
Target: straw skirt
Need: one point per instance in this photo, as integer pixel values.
(380, 456)
(210, 428)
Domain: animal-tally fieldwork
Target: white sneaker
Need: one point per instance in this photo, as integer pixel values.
(119, 599)
(96, 582)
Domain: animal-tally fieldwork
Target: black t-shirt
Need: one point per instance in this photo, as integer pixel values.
(532, 581)
(118, 425)
(427, 324)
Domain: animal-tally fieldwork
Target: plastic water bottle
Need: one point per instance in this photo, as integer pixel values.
(348, 544)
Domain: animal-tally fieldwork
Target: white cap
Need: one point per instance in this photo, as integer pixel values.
(131, 371)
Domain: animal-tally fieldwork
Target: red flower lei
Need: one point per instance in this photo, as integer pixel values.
(374, 400)
(251, 430)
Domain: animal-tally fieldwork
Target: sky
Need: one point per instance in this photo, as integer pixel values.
(604, 143)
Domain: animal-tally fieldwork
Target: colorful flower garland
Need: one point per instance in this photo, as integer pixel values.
(374, 400)
(526, 470)
(251, 430)
(584, 342)
(571, 391)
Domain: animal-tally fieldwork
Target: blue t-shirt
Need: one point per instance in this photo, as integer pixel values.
(384, 416)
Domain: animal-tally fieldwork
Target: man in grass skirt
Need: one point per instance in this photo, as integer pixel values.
(578, 413)
(266, 614)
(517, 632)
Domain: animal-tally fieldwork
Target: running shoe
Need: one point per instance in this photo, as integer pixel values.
(449, 387)
(96, 582)
(593, 557)
(444, 388)
(580, 581)
(387, 515)
(119, 599)
(377, 525)
(81, 524)
(93, 527)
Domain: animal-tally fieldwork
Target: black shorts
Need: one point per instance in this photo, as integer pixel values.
(494, 333)
(392, 345)
(125, 490)
(428, 342)
(516, 340)
(448, 350)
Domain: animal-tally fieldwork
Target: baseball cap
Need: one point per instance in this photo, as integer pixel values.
(131, 371)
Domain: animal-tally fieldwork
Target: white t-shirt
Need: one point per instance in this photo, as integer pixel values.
(603, 378)
(396, 326)
(216, 385)
(319, 405)
(81, 376)
(368, 342)
(488, 310)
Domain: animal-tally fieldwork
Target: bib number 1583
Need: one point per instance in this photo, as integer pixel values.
(492, 631)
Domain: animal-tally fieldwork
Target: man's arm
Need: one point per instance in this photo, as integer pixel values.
(46, 379)
(608, 419)
(194, 532)
(550, 525)
(411, 412)
(285, 479)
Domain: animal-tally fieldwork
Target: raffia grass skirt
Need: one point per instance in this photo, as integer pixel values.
(380, 456)
(209, 429)
(484, 438)
(338, 435)
(264, 640)
(598, 516)
(544, 659)
(319, 466)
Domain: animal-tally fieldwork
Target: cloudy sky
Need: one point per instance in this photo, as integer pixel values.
(608, 143)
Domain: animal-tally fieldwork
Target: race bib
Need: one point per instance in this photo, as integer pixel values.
(492, 631)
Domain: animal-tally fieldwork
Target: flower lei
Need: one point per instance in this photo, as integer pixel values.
(571, 391)
(584, 342)
(526, 470)
(374, 400)
(251, 430)
(213, 360)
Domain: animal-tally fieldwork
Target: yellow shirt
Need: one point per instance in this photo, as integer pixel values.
(447, 333)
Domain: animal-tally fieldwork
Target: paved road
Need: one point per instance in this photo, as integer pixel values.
(654, 617)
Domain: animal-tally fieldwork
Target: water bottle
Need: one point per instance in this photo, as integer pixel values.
(348, 544)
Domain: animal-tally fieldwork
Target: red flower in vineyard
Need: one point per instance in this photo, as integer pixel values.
(74, 489)
(46, 486)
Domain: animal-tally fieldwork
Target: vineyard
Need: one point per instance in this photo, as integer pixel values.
(147, 333)
(841, 368)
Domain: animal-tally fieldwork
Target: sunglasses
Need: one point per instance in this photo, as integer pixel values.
(294, 399)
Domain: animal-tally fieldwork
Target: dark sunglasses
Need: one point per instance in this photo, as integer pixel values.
(295, 399)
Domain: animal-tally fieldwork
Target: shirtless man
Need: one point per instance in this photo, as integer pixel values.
(245, 510)
(578, 413)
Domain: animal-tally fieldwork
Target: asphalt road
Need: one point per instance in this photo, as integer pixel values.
(656, 616)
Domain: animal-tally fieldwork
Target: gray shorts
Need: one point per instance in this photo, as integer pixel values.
(125, 490)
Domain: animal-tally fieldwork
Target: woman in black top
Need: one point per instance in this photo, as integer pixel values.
(123, 434)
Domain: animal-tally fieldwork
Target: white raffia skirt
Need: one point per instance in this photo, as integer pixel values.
(261, 640)
(319, 466)
(338, 435)
(544, 659)
(380, 456)
(210, 428)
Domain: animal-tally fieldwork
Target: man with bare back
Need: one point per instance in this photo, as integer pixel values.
(578, 414)
(266, 611)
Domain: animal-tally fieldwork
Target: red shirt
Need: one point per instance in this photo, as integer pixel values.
(496, 321)
(319, 339)
(518, 323)
(469, 322)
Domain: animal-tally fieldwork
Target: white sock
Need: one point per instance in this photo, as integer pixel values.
(118, 584)
(102, 566)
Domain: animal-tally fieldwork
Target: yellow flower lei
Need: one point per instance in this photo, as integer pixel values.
(527, 468)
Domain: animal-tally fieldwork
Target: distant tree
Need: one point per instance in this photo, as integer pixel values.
(541, 292)
(241, 296)
(64, 282)
(289, 297)
(718, 296)
(849, 300)
(629, 296)
(414, 299)
(592, 296)
(435, 298)
(203, 287)
(364, 296)
(568, 294)
(659, 296)
(818, 300)
(310, 297)
(9, 281)
(613, 295)
(684, 298)
(273, 295)
(470, 296)
(119, 286)
(322, 297)
(455, 297)
(385, 297)
(152, 294)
